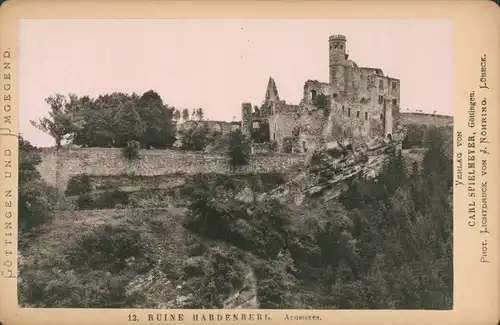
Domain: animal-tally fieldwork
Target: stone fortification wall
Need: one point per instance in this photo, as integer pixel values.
(425, 118)
(59, 165)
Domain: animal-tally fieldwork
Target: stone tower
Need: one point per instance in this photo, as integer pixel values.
(246, 119)
(337, 45)
(338, 58)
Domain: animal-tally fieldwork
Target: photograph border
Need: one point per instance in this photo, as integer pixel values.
(476, 27)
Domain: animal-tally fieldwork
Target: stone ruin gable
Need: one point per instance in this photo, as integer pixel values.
(58, 166)
(271, 95)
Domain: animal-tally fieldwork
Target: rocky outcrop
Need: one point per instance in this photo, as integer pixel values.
(330, 170)
(246, 297)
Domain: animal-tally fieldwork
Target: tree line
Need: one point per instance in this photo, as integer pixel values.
(112, 120)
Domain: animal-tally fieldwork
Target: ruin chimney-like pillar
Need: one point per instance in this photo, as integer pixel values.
(246, 119)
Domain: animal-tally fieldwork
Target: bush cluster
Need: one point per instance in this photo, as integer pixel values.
(78, 185)
(132, 150)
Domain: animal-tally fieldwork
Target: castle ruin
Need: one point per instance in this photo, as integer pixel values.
(357, 102)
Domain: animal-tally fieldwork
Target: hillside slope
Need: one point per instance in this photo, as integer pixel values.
(352, 240)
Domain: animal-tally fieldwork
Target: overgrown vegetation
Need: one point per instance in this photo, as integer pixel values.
(291, 144)
(261, 134)
(239, 150)
(385, 243)
(78, 185)
(323, 102)
(131, 150)
(113, 120)
(196, 139)
(36, 198)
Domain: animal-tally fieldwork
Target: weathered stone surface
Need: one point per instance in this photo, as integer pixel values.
(329, 177)
(58, 166)
(246, 296)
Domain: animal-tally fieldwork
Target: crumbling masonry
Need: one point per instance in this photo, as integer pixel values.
(357, 102)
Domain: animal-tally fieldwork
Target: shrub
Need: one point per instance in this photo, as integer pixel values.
(239, 150)
(110, 198)
(131, 150)
(273, 146)
(78, 185)
(37, 199)
(196, 139)
(316, 159)
(109, 248)
(97, 289)
(85, 202)
(291, 144)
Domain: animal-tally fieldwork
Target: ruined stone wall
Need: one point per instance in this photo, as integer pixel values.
(365, 90)
(312, 127)
(58, 166)
(375, 97)
(214, 126)
(281, 125)
(424, 118)
(246, 119)
(318, 87)
(349, 121)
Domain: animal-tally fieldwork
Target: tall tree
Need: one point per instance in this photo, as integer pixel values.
(59, 123)
(128, 124)
(158, 120)
(200, 114)
(177, 115)
(185, 114)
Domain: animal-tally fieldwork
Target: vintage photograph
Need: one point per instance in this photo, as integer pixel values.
(222, 164)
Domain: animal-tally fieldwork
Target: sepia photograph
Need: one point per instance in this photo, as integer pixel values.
(224, 164)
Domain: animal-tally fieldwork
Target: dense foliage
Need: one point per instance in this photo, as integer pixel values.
(239, 150)
(387, 243)
(78, 185)
(261, 134)
(132, 150)
(113, 120)
(197, 138)
(323, 102)
(36, 198)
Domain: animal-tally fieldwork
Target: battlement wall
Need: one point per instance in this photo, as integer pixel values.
(58, 166)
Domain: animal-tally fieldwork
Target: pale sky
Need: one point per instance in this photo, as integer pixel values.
(218, 64)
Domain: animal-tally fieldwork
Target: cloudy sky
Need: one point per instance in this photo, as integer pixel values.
(218, 64)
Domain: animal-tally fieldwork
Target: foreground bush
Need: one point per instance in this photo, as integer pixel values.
(132, 150)
(79, 185)
(37, 199)
(92, 271)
